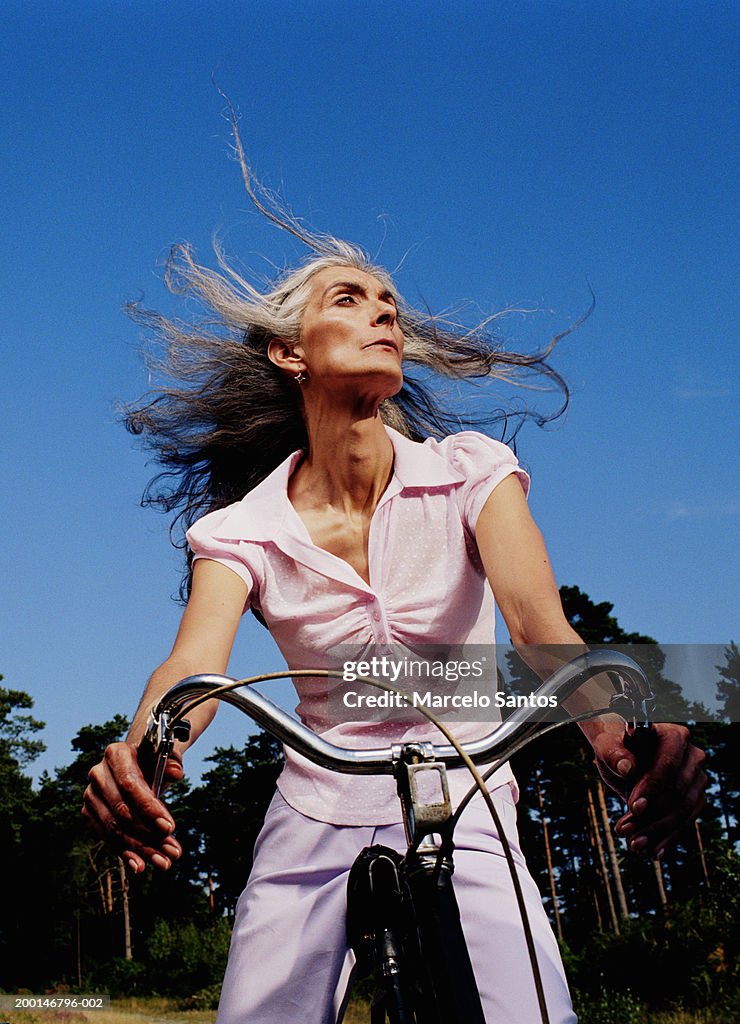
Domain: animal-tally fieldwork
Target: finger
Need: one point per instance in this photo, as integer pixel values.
(109, 807)
(120, 783)
(661, 832)
(137, 855)
(112, 827)
(173, 772)
(674, 762)
(669, 840)
(615, 762)
(133, 862)
(687, 794)
(135, 789)
(124, 836)
(654, 796)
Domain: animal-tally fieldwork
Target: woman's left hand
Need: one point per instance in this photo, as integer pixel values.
(666, 797)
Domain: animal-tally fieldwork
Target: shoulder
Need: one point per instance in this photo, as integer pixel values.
(479, 458)
(212, 524)
(450, 461)
(469, 446)
(482, 463)
(256, 517)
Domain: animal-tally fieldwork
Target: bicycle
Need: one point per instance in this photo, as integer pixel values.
(402, 918)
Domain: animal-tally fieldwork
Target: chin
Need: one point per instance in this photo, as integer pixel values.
(392, 390)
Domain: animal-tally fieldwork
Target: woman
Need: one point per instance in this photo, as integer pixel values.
(327, 516)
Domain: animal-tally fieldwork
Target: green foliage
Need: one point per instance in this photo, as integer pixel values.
(724, 765)
(690, 959)
(121, 977)
(594, 623)
(60, 875)
(728, 688)
(186, 959)
(219, 821)
(607, 1007)
(17, 815)
(16, 730)
(17, 751)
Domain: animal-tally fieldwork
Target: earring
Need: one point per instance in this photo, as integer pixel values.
(300, 378)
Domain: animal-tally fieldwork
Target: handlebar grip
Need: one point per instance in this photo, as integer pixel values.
(147, 759)
(642, 741)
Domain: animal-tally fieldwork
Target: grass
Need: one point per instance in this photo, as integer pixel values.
(151, 1010)
(165, 1011)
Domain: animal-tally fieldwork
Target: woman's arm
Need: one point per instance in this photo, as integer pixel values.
(118, 803)
(671, 792)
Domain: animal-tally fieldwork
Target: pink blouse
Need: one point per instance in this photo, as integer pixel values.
(427, 586)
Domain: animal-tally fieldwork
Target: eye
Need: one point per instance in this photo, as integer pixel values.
(346, 299)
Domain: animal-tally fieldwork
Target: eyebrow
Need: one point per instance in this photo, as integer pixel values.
(358, 289)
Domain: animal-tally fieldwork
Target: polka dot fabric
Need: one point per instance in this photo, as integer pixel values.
(427, 586)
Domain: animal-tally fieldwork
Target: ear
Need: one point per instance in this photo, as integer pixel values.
(285, 356)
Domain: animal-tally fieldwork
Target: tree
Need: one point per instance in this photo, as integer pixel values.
(594, 880)
(66, 871)
(18, 749)
(725, 762)
(219, 820)
(16, 730)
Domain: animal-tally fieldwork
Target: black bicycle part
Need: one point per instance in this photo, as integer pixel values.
(450, 992)
(378, 919)
(403, 923)
(153, 761)
(642, 741)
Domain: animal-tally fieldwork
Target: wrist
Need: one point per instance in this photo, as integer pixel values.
(613, 725)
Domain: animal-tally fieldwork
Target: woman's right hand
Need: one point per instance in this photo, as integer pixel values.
(119, 803)
(120, 806)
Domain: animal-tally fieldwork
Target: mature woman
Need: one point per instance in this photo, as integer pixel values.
(313, 498)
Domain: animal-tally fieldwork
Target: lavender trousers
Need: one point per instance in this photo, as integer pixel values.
(289, 962)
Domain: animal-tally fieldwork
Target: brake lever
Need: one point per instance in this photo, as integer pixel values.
(640, 735)
(158, 744)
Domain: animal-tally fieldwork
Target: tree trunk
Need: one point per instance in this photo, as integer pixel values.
(613, 859)
(701, 855)
(127, 952)
(108, 891)
(598, 909)
(723, 803)
(602, 861)
(98, 882)
(78, 943)
(551, 876)
(594, 856)
(658, 868)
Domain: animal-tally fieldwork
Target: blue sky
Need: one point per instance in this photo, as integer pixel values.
(512, 154)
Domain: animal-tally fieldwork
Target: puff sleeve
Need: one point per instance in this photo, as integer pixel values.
(484, 463)
(206, 541)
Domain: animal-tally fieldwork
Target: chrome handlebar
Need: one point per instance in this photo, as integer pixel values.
(633, 699)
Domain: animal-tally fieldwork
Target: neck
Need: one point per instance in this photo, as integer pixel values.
(349, 462)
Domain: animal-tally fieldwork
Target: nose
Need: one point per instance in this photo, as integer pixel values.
(386, 314)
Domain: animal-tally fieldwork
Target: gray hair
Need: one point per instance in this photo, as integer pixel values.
(227, 416)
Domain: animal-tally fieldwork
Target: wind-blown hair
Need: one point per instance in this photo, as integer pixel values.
(227, 416)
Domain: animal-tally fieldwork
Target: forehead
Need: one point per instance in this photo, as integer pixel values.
(325, 279)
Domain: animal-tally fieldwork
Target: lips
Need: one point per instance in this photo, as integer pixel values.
(385, 343)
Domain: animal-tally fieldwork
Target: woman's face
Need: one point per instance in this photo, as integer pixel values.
(350, 338)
